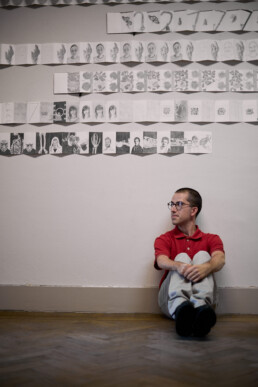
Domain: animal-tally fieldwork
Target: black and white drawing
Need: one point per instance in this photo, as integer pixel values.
(29, 144)
(16, 143)
(73, 53)
(136, 143)
(95, 142)
(86, 111)
(73, 82)
(99, 53)
(72, 112)
(109, 143)
(177, 142)
(99, 112)
(59, 112)
(163, 142)
(122, 142)
(5, 144)
(198, 142)
(54, 143)
(149, 142)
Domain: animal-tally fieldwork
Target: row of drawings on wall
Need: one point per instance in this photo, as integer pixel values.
(163, 51)
(92, 143)
(24, 3)
(205, 110)
(182, 20)
(236, 80)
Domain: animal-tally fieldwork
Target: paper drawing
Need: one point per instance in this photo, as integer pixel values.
(54, 143)
(73, 82)
(136, 143)
(149, 142)
(109, 143)
(5, 144)
(122, 142)
(29, 144)
(95, 143)
(59, 112)
(16, 143)
(72, 112)
(86, 111)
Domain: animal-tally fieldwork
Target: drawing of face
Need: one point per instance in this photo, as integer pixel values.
(85, 111)
(164, 51)
(29, 147)
(73, 113)
(151, 49)
(126, 50)
(177, 48)
(3, 145)
(214, 50)
(139, 51)
(195, 141)
(100, 50)
(137, 141)
(58, 115)
(164, 142)
(114, 51)
(240, 50)
(55, 143)
(252, 49)
(107, 142)
(112, 111)
(189, 50)
(99, 111)
(74, 50)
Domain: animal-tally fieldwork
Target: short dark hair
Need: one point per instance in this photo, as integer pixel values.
(194, 198)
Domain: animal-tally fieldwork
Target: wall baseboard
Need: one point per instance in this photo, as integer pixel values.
(111, 300)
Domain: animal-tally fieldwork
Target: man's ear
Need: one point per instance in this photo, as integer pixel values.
(194, 211)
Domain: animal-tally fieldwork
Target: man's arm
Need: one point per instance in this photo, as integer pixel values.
(195, 273)
(164, 262)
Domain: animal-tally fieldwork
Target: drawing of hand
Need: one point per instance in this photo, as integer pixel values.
(95, 140)
(9, 55)
(61, 54)
(35, 54)
(87, 53)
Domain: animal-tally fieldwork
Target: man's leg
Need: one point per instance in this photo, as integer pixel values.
(174, 296)
(203, 291)
(202, 298)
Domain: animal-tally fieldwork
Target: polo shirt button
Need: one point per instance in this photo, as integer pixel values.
(188, 248)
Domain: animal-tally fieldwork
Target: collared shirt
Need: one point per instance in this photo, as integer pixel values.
(175, 242)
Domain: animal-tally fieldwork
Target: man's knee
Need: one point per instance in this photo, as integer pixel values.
(183, 257)
(201, 257)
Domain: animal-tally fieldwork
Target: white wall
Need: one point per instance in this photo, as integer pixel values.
(92, 221)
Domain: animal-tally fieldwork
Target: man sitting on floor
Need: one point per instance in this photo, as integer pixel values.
(189, 258)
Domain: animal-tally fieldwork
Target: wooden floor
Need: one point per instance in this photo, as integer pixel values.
(46, 349)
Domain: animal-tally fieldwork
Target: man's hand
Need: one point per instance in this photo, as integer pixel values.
(195, 273)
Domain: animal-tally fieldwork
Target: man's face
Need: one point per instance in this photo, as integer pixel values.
(183, 216)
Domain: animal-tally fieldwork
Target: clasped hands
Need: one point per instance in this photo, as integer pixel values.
(194, 273)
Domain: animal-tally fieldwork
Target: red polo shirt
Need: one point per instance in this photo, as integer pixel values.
(175, 242)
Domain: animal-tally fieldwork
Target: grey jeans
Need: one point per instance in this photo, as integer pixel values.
(176, 289)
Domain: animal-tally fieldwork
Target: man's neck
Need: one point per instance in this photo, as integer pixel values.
(188, 229)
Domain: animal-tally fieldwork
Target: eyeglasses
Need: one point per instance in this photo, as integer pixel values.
(178, 205)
